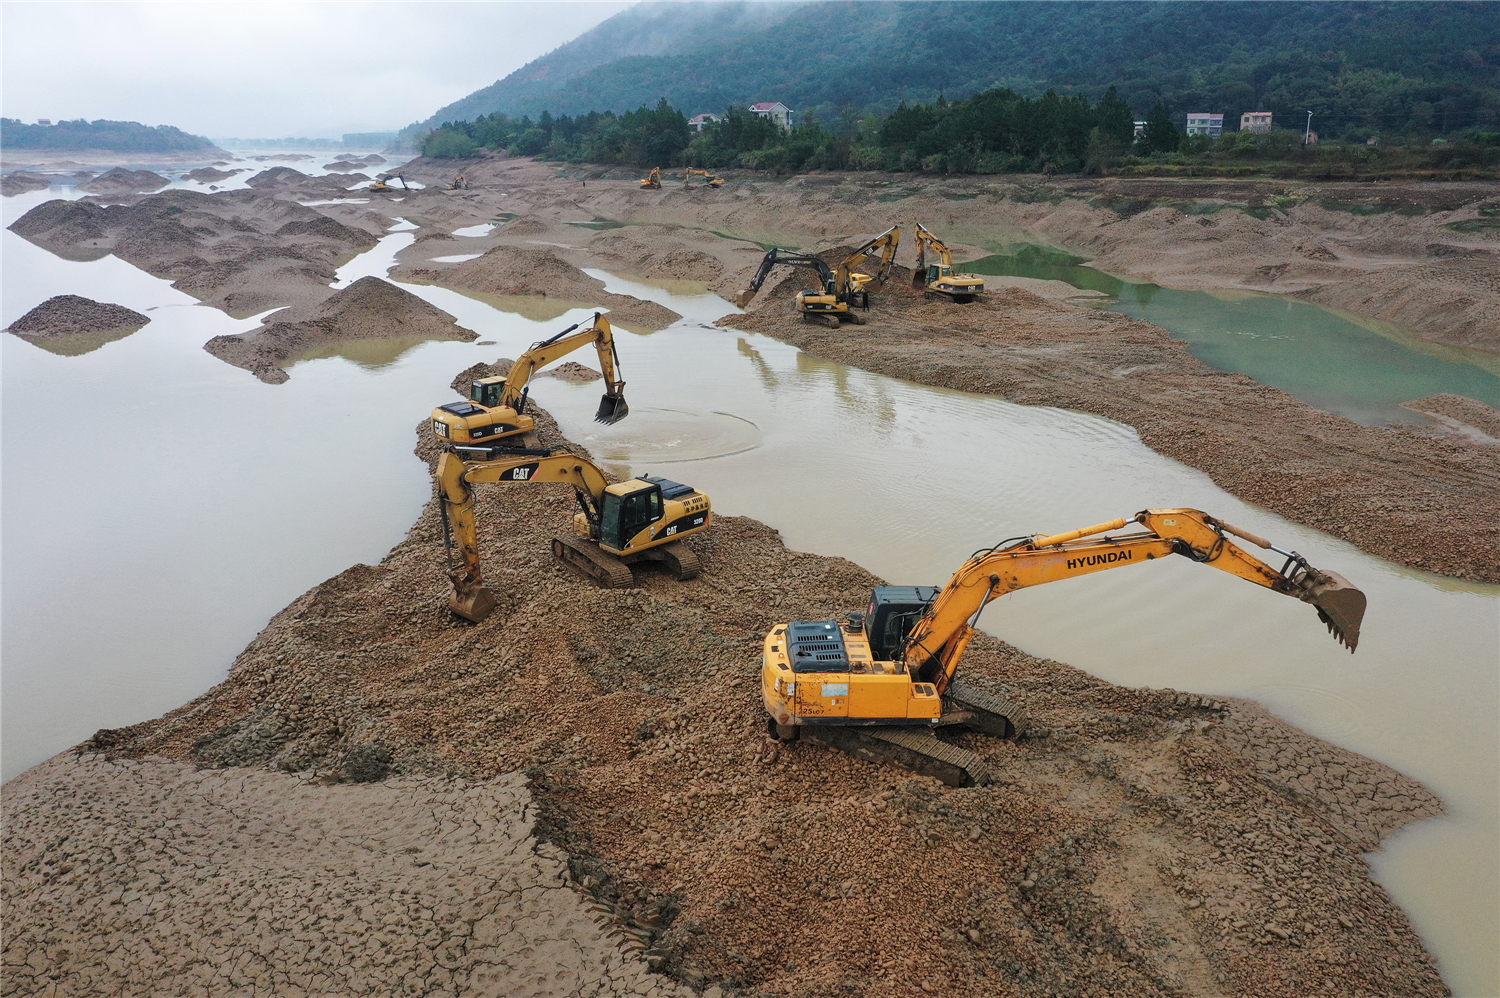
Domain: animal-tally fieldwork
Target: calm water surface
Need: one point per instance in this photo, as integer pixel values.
(128, 588)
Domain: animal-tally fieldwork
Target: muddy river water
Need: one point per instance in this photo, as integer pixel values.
(160, 506)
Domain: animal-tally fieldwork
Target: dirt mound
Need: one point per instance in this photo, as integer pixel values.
(515, 270)
(121, 181)
(343, 165)
(367, 309)
(208, 174)
(1140, 842)
(652, 250)
(1410, 496)
(1461, 410)
(572, 372)
(21, 181)
(66, 315)
(241, 251)
(285, 180)
(525, 227)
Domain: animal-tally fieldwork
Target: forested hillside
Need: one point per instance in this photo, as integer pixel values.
(1394, 69)
(116, 136)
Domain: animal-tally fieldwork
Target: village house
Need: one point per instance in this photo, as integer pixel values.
(776, 111)
(698, 121)
(1255, 121)
(1140, 126)
(1201, 123)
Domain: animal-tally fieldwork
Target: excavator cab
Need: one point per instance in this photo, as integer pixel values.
(893, 612)
(629, 509)
(487, 391)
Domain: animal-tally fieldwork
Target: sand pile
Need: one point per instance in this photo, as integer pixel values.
(1410, 496)
(208, 174)
(1141, 842)
(508, 271)
(368, 309)
(241, 251)
(572, 372)
(160, 878)
(71, 325)
(21, 181)
(656, 251)
(120, 181)
(285, 180)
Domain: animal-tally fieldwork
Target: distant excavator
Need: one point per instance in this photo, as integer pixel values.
(460, 183)
(619, 525)
(382, 185)
(842, 289)
(496, 409)
(939, 278)
(881, 685)
(709, 180)
(652, 182)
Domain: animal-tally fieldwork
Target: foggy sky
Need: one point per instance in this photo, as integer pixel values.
(270, 70)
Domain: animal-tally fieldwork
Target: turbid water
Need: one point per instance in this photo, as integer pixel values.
(130, 591)
(1359, 368)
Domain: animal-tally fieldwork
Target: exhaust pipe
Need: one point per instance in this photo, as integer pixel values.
(612, 409)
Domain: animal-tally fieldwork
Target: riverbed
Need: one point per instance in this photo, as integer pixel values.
(152, 579)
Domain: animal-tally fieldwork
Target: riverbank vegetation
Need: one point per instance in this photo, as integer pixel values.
(996, 131)
(116, 136)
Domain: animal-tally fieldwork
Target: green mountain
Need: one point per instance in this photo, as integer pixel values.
(115, 136)
(1407, 67)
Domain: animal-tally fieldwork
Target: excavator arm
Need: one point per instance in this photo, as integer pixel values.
(612, 407)
(936, 643)
(777, 256)
(926, 239)
(846, 281)
(455, 476)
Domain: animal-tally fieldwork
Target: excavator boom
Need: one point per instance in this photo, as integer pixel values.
(612, 407)
(886, 243)
(939, 277)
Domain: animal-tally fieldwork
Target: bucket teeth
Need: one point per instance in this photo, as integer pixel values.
(612, 409)
(1340, 605)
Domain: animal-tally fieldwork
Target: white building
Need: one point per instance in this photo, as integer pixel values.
(776, 111)
(1202, 123)
(698, 121)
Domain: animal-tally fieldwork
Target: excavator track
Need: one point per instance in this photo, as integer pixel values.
(916, 750)
(680, 559)
(989, 714)
(604, 568)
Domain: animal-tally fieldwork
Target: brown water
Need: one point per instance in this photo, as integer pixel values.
(178, 543)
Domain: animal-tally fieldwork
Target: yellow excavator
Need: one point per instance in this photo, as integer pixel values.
(939, 278)
(496, 408)
(709, 180)
(881, 685)
(383, 185)
(842, 289)
(460, 183)
(652, 182)
(619, 525)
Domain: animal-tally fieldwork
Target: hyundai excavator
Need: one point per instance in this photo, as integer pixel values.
(842, 290)
(709, 180)
(619, 525)
(496, 408)
(939, 278)
(881, 685)
(653, 181)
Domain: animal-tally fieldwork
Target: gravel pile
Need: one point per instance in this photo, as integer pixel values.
(66, 315)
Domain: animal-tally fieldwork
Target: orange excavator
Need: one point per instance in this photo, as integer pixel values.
(653, 181)
(882, 685)
(709, 180)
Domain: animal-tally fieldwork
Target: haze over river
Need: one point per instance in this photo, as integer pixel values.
(161, 505)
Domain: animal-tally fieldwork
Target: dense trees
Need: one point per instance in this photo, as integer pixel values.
(120, 136)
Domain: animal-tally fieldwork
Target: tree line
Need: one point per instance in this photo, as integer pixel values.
(121, 136)
(994, 131)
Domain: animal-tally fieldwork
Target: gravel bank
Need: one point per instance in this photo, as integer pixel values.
(1142, 842)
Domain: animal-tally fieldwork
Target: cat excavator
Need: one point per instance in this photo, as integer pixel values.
(653, 181)
(709, 180)
(496, 408)
(842, 290)
(939, 278)
(619, 525)
(882, 685)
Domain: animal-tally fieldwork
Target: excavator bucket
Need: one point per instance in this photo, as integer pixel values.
(474, 603)
(1340, 606)
(612, 408)
(743, 298)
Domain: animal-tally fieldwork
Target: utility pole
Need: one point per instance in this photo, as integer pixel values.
(1307, 134)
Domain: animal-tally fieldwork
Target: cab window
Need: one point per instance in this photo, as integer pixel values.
(487, 395)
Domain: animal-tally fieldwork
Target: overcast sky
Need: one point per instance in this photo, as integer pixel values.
(270, 70)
